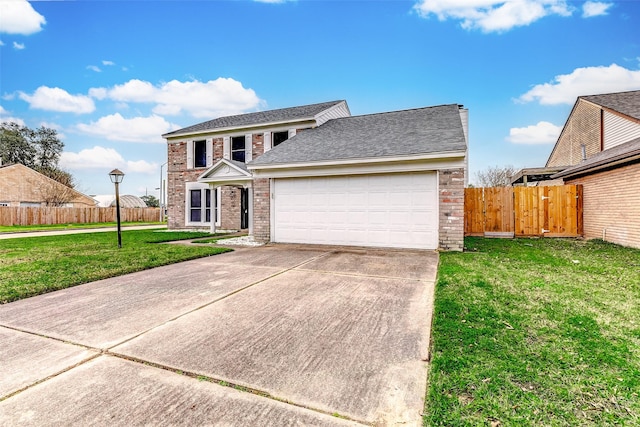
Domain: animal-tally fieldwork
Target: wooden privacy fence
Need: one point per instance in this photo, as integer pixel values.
(554, 211)
(49, 215)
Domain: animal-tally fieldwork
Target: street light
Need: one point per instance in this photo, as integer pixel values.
(116, 177)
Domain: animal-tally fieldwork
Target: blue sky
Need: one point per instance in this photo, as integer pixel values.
(112, 76)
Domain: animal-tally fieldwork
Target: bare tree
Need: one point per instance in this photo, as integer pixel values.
(58, 191)
(495, 176)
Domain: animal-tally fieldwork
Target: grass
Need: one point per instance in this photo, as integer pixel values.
(35, 265)
(74, 226)
(536, 332)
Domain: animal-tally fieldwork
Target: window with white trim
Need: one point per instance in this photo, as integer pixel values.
(201, 204)
(278, 138)
(238, 148)
(200, 154)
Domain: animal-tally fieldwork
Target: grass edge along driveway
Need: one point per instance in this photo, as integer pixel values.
(36, 265)
(536, 332)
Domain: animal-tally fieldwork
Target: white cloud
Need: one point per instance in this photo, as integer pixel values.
(99, 93)
(92, 158)
(492, 15)
(138, 129)
(1, 43)
(595, 8)
(142, 166)
(104, 158)
(94, 68)
(108, 63)
(565, 88)
(18, 46)
(214, 98)
(5, 117)
(19, 17)
(541, 133)
(56, 99)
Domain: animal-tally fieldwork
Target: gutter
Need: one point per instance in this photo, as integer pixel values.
(359, 161)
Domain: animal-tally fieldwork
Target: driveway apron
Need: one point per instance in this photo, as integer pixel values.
(329, 331)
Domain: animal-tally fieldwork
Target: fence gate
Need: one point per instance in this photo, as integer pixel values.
(554, 211)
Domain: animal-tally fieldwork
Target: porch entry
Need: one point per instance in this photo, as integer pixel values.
(244, 208)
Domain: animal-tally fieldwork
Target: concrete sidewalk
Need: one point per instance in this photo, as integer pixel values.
(275, 335)
(18, 235)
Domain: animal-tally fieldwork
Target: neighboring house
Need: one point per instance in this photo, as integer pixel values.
(24, 187)
(126, 201)
(600, 147)
(314, 174)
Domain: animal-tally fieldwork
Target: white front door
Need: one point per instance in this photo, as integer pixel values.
(389, 210)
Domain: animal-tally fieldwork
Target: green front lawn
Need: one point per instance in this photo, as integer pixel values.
(75, 226)
(35, 265)
(536, 332)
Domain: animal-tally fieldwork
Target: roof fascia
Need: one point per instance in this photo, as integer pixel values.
(603, 164)
(261, 126)
(368, 160)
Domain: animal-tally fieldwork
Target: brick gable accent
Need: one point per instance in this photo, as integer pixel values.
(582, 127)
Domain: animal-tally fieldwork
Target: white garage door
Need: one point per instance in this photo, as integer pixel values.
(391, 210)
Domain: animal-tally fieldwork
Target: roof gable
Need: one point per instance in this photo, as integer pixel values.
(421, 131)
(36, 179)
(228, 172)
(282, 115)
(627, 103)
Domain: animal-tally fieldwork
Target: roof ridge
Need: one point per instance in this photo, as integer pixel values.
(609, 93)
(396, 111)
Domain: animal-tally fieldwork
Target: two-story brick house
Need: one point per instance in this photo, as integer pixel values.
(315, 174)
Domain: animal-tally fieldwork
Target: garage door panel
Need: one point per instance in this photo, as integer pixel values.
(391, 210)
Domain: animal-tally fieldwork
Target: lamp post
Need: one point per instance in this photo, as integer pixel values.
(116, 177)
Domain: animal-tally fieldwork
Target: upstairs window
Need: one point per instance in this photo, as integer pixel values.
(200, 154)
(238, 148)
(279, 137)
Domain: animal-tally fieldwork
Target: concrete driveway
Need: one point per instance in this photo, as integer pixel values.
(276, 335)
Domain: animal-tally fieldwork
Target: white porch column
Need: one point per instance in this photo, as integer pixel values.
(213, 209)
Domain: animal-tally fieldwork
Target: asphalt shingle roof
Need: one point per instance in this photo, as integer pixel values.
(627, 103)
(397, 133)
(619, 152)
(257, 118)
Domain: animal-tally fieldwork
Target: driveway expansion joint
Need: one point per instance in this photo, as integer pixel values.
(217, 300)
(373, 276)
(48, 377)
(237, 387)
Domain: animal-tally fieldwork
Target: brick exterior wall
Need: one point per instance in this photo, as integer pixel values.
(218, 149)
(451, 200)
(177, 176)
(257, 145)
(261, 210)
(582, 127)
(230, 208)
(611, 205)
